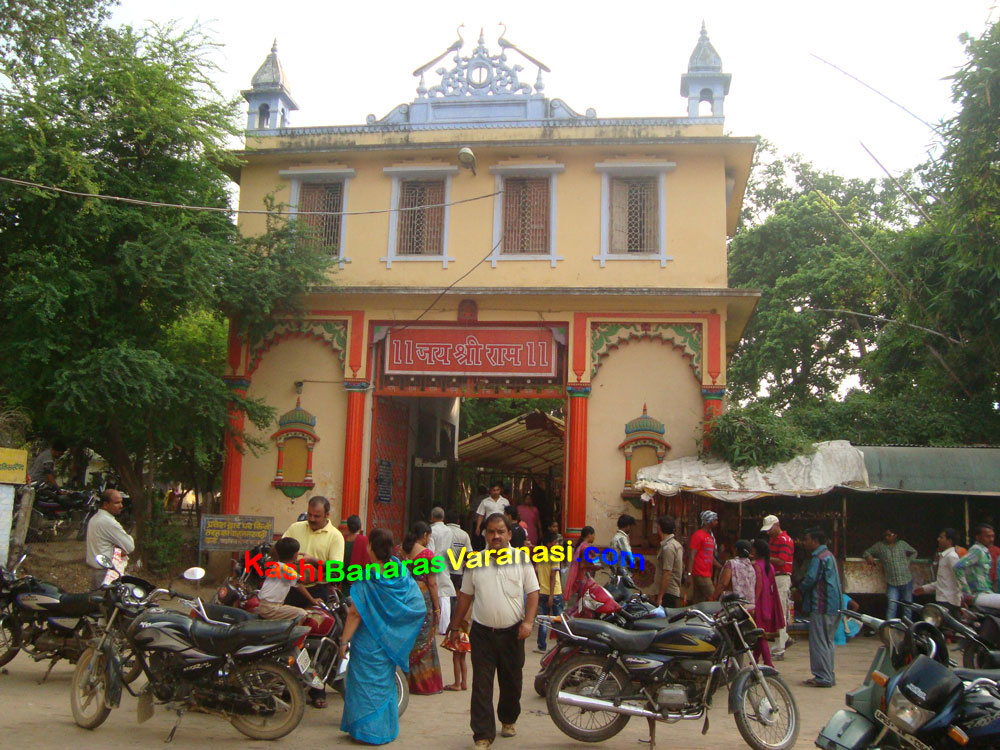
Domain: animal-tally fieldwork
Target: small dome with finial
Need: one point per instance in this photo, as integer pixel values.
(297, 417)
(645, 423)
(704, 59)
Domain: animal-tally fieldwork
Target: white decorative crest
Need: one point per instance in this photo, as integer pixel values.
(481, 74)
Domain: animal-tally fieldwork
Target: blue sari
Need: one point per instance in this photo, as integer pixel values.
(392, 612)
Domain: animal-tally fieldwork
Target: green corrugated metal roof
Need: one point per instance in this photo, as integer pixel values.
(960, 471)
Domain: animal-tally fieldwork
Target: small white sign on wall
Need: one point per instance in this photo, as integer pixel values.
(6, 519)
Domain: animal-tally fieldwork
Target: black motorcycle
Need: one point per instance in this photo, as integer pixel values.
(43, 620)
(670, 675)
(191, 664)
(56, 512)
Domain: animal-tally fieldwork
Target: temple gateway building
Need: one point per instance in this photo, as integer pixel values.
(530, 251)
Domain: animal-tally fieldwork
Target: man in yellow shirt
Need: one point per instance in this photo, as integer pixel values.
(319, 540)
(550, 601)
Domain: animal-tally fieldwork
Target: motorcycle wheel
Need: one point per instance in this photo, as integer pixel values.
(579, 675)
(767, 732)
(87, 691)
(541, 683)
(281, 696)
(10, 638)
(974, 656)
(402, 691)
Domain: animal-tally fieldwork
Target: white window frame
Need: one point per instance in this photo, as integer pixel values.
(399, 174)
(524, 170)
(343, 175)
(612, 170)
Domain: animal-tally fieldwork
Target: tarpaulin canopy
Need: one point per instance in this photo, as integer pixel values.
(531, 443)
(834, 463)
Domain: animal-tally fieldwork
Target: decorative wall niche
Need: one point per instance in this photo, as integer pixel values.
(295, 438)
(644, 438)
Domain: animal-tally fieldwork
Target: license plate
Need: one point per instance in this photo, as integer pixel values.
(303, 660)
(907, 738)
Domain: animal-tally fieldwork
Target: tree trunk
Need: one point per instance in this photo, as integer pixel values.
(21, 525)
(132, 480)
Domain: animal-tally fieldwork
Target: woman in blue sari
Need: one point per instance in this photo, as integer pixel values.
(382, 625)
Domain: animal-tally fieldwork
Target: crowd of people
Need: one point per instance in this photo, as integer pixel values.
(487, 613)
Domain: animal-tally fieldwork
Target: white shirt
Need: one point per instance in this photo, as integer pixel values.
(489, 506)
(104, 533)
(499, 591)
(946, 588)
(440, 544)
(459, 540)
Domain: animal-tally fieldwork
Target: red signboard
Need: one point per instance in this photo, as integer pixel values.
(517, 352)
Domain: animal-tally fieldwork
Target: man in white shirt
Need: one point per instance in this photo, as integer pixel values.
(495, 503)
(945, 587)
(459, 541)
(504, 600)
(440, 544)
(104, 533)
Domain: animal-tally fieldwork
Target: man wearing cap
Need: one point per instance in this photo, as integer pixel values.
(702, 561)
(782, 552)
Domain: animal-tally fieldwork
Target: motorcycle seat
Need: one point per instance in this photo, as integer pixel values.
(974, 674)
(230, 615)
(225, 639)
(79, 605)
(659, 623)
(624, 640)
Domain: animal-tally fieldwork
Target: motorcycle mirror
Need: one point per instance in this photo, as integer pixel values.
(105, 562)
(194, 574)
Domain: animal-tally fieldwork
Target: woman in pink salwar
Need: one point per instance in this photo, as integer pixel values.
(767, 607)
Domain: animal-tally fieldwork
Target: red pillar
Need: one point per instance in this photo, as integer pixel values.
(353, 449)
(232, 469)
(576, 461)
(712, 406)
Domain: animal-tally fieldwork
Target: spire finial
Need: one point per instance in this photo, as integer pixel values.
(644, 410)
(274, 46)
(704, 31)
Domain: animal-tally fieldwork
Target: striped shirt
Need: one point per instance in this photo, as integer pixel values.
(895, 558)
(782, 552)
(973, 571)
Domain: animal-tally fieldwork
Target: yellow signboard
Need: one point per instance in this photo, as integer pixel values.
(13, 466)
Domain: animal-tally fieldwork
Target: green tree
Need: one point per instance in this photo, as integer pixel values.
(114, 309)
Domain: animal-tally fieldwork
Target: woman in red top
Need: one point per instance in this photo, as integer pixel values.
(768, 612)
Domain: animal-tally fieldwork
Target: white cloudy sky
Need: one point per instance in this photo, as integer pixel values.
(345, 60)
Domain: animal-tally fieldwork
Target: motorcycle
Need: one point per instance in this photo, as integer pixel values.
(975, 648)
(43, 620)
(248, 673)
(235, 600)
(615, 605)
(856, 729)
(670, 675)
(56, 512)
(983, 618)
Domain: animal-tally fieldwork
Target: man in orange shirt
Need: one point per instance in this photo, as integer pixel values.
(701, 563)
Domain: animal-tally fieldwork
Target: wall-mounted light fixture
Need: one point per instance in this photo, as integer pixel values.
(467, 159)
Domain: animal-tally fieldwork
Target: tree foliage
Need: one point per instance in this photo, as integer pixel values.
(117, 311)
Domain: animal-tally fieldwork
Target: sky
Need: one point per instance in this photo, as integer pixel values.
(344, 60)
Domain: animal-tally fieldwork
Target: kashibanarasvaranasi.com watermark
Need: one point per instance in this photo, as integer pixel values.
(334, 571)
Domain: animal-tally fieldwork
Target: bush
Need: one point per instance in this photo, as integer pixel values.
(756, 436)
(164, 540)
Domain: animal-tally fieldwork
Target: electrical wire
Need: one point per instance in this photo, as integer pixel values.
(218, 209)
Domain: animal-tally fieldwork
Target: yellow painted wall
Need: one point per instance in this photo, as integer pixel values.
(638, 372)
(695, 223)
(280, 367)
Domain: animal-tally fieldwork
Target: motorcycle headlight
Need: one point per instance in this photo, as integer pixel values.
(905, 714)
(931, 615)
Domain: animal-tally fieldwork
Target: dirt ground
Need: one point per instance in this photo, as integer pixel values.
(39, 716)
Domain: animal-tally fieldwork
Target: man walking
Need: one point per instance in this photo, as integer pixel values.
(104, 533)
(782, 555)
(895, 555)
(504, 599)
(669, 564)
(821, 598)
(319, 540)
(494, 503)
(973, 570)
(701, 563)
(441, 538)
(459, 540)
(945, 586)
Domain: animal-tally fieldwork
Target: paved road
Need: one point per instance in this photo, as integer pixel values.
(38, 716)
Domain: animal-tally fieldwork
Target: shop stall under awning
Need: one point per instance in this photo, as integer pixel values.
(834, 463)
(530, 443)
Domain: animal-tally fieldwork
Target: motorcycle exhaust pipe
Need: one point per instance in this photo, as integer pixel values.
(596, 704)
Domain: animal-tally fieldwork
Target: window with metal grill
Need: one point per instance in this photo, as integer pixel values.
(526, 215)
(634, 220)
(327, 196)
(421, 218)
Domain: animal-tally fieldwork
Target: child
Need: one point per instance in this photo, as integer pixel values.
(274, 590)
(458, 643)
(550, 599)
